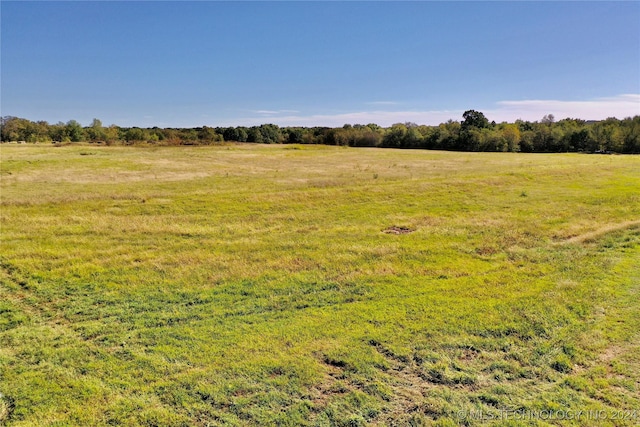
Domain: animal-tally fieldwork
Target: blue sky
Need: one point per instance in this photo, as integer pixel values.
(317, 63)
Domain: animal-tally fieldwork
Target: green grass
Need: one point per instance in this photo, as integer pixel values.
(256, 285)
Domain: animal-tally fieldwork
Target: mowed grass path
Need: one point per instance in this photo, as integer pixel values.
(256, 285)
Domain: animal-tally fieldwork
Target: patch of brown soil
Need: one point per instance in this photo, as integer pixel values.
(398, 230)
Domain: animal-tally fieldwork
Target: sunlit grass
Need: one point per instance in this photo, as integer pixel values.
(256, 285)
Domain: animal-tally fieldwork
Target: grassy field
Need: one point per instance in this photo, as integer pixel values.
(310, 285)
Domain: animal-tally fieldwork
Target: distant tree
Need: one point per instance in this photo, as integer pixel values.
(571, 135)
(19, 129)
(630, 128)
(74, 131)
(111, 134)
(473, 139)
(413, 138)
(338, 136)
(155, 134)
(254, 135)
(548, 119)
(541, 139)
(296, 136)
(581, 140)
(238, 134)
(474, 119)
(524, 125)
(447, 135)
(57, 132)
(12, 128)
(474, 133)
(95, 132)
(395, 136)
(208, 135)
(42, 131)
(271, 134)
(188, 136)
(353, 136)
(490, 140)
(135, 134)
(471, 136)
(368, 137)
(608, 135)
(511, 136)
(526, 141)
(170, 136)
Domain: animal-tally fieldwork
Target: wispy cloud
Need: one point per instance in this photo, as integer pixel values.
(274, 112)
(620, 106)
(382, 118)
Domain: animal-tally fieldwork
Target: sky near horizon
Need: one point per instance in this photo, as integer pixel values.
(185, 64)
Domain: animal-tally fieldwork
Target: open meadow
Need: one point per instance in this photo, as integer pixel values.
(316, 285)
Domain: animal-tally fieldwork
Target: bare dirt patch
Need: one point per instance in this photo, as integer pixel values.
(398, 230)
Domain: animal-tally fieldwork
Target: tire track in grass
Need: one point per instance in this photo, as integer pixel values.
(600, 232)
(620, 357)
(611, 373)
(14, 290)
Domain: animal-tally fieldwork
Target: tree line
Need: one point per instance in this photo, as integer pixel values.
(473, 133)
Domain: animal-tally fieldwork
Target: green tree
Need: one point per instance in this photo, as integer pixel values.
(111, 134)
(447, 135)
(208, 135)
(12, 128)
(395, 136)
(474, 119)
(271, 134)
(57, 132)
(471, 136)
(42, 131)
(188, 136)
(511, 136)
(607, 136)
(73, 131)
(254, 135)
(237, 134)
(19, 129)
(95, 132)
(630, 128)
(135, 134)
(296, 136)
